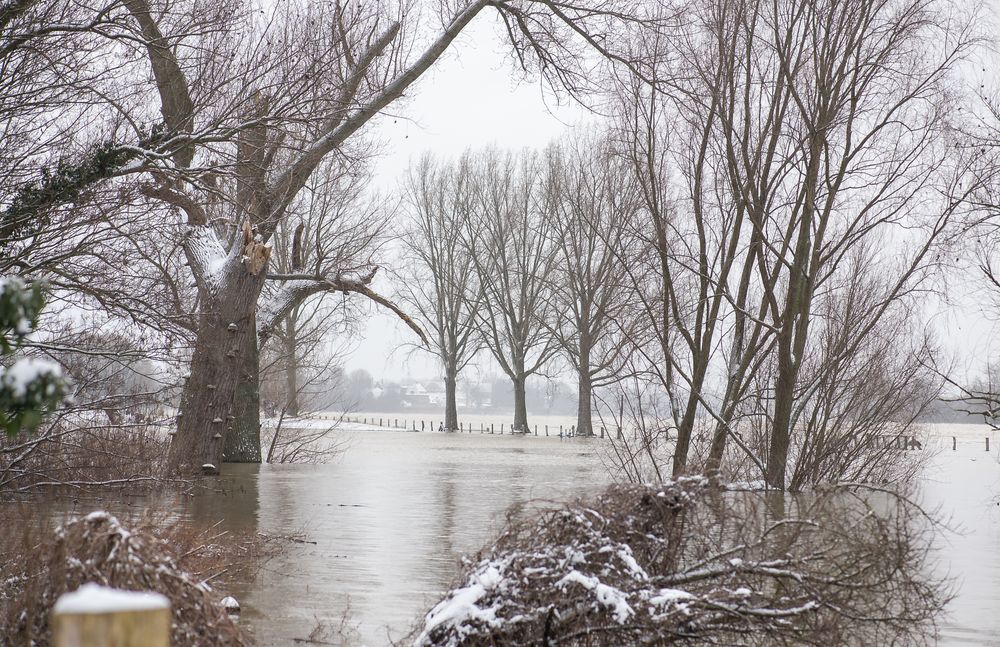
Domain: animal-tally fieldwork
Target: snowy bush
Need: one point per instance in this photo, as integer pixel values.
(687, 563)
(98, 549)
(28, 387)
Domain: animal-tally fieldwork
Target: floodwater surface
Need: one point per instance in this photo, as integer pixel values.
(386, 522)
(391, 518)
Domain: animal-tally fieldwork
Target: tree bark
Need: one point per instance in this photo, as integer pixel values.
(450, 401)
(292, 368)
(219, 415)
(243, 434)
(520, 403)
(584, 414)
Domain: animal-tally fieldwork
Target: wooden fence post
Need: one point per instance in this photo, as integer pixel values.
(98, 616)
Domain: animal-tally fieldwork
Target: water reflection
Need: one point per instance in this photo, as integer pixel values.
(391, 520)
(392, 517)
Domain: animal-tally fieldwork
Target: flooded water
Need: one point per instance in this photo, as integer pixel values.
(965, 483)
(388, 521)
(391, 519)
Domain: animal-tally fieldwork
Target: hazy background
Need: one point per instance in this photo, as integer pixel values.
(476, 96)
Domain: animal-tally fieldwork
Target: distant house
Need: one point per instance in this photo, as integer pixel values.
(416, 394)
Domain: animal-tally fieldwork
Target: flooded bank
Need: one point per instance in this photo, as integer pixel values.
(387, 521)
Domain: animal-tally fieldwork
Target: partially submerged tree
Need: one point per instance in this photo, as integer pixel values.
(247, 120)
(441, 285)
(593, 204)
(825, 131)
(509, 239)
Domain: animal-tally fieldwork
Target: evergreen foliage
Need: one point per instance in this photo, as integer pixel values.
(28, 387)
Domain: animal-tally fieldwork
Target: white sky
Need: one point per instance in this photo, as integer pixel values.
(473, 97)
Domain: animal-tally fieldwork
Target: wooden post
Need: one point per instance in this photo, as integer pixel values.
(546, 431)
(501, 429)
(954, 443)
(491, 427)
(98, 616)
(536, 430)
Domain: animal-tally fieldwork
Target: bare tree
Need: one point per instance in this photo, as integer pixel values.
(509, 239)
(240, 140)
(593, 206)
(442, 285)
(825, 128)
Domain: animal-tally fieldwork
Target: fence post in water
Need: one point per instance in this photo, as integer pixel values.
(97, 616)
(491, 427)
(546, 431)
(954, 443)
(501, 429)
(536, 430)
(560, 431)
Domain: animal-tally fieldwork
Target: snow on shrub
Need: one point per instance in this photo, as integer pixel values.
(686, 562)
(98, 549)
(28, 387)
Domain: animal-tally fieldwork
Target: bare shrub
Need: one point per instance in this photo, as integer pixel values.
(687, 563)
(303, 440)
(71, 451)
(39, 565)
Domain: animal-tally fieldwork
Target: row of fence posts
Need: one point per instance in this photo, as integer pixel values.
(411, 425)
(904, 442)
(954, 443)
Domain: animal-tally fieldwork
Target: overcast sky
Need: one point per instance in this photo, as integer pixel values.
(470, 98)
(475, 97)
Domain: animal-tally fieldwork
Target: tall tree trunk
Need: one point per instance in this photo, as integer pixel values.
(685, 428)
(243, 435)
(292, 367)
(220, 404)
(520, 403)
(794, 328)
(450, 400)
(584, 413)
